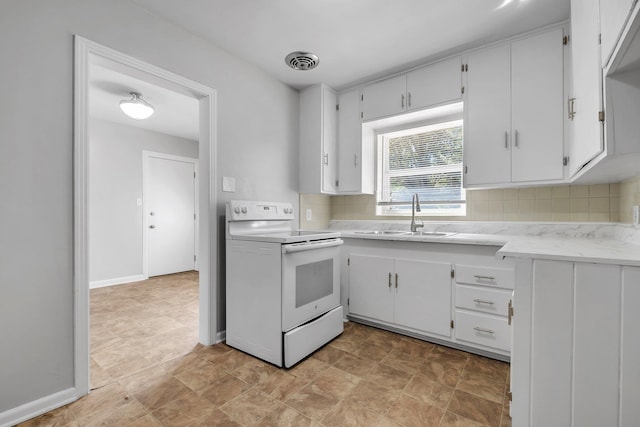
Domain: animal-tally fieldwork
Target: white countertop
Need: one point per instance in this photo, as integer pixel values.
(588, 242)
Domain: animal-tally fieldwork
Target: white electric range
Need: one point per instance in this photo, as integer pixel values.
(282, 284)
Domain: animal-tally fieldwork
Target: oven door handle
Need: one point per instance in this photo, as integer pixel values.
(308, 246)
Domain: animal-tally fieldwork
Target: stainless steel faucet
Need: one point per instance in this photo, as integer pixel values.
(415, 207)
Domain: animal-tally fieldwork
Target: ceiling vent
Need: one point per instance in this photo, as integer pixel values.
(302, 61)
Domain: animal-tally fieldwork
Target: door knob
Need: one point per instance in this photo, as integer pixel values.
(152, 226)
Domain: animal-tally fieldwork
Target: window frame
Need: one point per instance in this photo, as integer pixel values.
(384, 207)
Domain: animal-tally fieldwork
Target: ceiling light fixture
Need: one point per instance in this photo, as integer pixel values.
(302, 61)
(136, 107)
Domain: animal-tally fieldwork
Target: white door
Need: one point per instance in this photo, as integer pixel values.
(423, 296)
(371, 287)
(487, 117)
(170, 215)
(537, 119)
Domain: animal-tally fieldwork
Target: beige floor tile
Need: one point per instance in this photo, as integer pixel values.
(254, 371)
(161, 392)
(249, 407)
(350, 414)
(475, 408)
(355, 365)
(285, 416)
(184, 411)
(372, 396)
(281, 384)
(411, 412)
(309, 369)
(454, 420)
(224, 389)
(61, 417)
(329, 354)
(311, 404)
(428, 391)
(389, 377)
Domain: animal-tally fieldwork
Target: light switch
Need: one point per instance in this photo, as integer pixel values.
(228, 184)
(309, 215)
(138, 201)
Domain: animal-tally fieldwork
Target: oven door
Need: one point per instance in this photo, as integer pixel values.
(310, 281)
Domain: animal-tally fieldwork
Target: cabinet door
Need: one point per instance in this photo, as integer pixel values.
(613, 16)
(537, 107)
(435, 84)
(349, 142)
(329, 141)
(384, 98)
(423, 296)
(587, 130)
(487, 120)
(371, 287)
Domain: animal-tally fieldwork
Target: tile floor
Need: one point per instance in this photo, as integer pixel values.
(148, 370)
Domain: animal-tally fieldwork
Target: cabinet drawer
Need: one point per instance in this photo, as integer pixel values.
(494, 301)
(486, 276)
(483, 329)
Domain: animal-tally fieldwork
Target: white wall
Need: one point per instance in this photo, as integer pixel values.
(257, 143)
(115, 184)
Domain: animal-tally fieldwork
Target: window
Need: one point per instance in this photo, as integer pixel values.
(424, 160)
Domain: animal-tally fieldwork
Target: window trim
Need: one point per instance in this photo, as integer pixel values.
(382, 135)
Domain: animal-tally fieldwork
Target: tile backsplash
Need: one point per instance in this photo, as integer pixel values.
(564, 203)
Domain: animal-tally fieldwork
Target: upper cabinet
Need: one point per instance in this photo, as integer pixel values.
(355, 156)
(514, 126)
(585, 105)
(613, 16)
(318, 140)
(435, 84)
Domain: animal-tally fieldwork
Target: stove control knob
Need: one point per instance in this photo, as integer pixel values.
(236, 210)
(244, 210)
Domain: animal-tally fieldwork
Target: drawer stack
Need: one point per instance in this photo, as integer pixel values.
(483, 297)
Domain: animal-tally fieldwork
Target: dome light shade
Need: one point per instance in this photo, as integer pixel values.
(136, 107)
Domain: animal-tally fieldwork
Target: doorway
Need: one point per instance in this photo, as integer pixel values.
(86, 52)
(170, 199)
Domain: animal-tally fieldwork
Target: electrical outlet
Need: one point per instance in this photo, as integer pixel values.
(636, 215)
(309, 215)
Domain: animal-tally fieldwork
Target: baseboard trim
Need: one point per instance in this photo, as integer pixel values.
(117, 281)
(37, 407)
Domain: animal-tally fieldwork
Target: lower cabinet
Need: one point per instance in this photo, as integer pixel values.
(407, 292)
(458, 295)
(576, 344)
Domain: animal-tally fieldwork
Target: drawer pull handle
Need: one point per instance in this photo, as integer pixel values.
(487, 331)
(389, 279)
(396, 280)
(484, 277)
(480, 301)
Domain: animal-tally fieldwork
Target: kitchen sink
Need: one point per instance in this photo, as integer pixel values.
(432, 233)
(384, 232)
(404, 233)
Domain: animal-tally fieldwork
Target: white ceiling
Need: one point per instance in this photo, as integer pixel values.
(356, 40)
(175, 113)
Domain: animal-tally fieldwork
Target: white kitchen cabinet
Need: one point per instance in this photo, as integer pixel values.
(410, 293)
(576, 344)
(514, 126)
(371, 292)
(428, 303)
(585, 104)
(613, 16)
(356, 158)
(483, 298)
(487, 117)
(318, 140)
(384, 98)
(435, 84)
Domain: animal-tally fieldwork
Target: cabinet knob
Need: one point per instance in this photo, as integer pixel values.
(402, 100)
